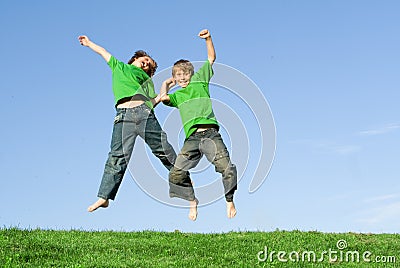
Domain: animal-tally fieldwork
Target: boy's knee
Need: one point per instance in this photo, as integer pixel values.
(230, 172)
(177, 175)
(116, 162)
(223, 163)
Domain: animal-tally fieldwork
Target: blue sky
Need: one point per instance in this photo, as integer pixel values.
(328, 69)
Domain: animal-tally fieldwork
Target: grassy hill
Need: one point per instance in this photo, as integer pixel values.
(47, 248)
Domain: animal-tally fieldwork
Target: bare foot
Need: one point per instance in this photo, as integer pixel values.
(101, 203)
(193, 209)
(230, 209)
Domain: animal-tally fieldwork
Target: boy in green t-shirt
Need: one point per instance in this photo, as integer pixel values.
(134, 101)
(201, 130)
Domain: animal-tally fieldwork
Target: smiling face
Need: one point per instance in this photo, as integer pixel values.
(182, 72)
(145, 63)
(182, 77)
(142, 60)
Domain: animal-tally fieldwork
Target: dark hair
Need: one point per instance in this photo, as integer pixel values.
(141, 53)
(184, 65)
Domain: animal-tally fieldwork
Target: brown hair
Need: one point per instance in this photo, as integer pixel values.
(184, 65)
(141, 53)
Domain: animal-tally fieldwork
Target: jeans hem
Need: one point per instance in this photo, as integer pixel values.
(187, 198)
(229, 199)
(104, 197)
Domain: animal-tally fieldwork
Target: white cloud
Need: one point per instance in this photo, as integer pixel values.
(383, 210)
(382, 214)
(381, 130)
(381, 198)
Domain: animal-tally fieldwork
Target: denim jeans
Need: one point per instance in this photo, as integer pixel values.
(128, 124)
(210, 144)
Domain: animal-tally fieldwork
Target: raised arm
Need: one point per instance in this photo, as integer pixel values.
(85, 41)
(205, 34)
(165, 87)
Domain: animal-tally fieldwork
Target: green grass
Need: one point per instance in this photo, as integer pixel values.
(47, 248)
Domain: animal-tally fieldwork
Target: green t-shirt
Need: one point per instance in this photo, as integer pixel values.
(194, 101)
(129, 80)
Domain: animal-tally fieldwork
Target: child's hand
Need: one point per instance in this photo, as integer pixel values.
(170, 82)
(84, 40)
(204, 34)
(166, 86)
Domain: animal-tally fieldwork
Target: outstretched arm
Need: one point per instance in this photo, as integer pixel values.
(165, 87)
(205, 34)
(85, 41)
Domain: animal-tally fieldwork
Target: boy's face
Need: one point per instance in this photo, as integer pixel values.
(145, 63)
(182, 77)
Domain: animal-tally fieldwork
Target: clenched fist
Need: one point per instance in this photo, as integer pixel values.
(204, 34)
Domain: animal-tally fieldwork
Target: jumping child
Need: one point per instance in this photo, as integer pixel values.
(134, 101)
(201, 130)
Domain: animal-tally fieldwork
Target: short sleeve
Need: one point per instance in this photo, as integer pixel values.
(112, 62)
(204, 74)
(172, 100)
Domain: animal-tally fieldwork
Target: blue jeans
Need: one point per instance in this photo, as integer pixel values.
(210, 144)
(128, 124)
